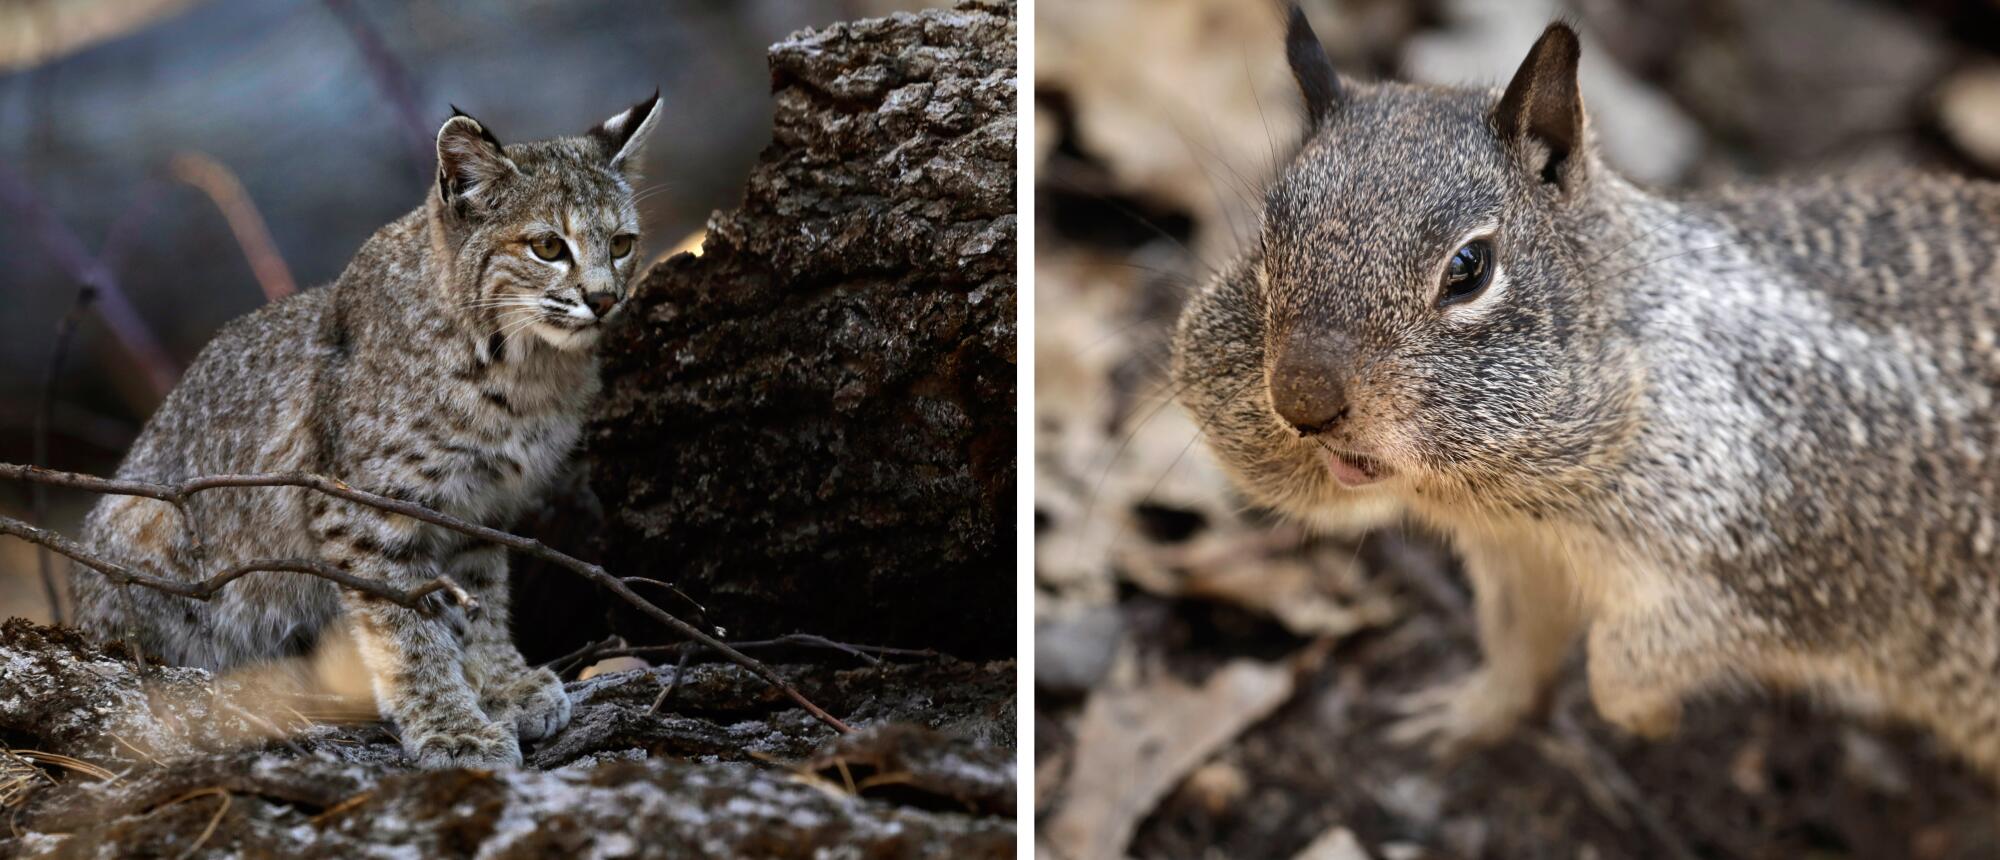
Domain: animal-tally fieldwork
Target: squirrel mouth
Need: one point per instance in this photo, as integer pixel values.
(1355, 470)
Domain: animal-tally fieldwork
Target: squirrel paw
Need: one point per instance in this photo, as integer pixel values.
(1651, 717)
(488, 746)
(1456, 717)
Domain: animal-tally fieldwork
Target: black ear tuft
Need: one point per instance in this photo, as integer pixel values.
(623, 136)
(469, 157)
(1543, 102)
(1318, 82)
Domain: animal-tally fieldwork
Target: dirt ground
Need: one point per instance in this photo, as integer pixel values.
(1214, 684)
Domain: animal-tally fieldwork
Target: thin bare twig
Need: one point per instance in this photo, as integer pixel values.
(562, 665)
(207, 588)
(177, 494)
(700, 610)
(680, 668)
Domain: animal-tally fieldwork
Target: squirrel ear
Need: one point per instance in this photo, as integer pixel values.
(1318, 82)
(1543, 102)
(622, 136)
(469, 157)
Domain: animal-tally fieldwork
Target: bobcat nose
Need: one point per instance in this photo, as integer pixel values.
(1306, 387)
(601, 302)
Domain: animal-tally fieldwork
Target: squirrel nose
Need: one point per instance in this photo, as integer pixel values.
(1306, 385)
(600, 303)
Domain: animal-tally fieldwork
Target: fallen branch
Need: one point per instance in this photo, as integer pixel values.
(178, 494)
(869, 654)
(614, 646)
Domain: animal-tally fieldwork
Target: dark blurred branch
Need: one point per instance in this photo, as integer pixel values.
(100, 432)
(178, 494)
(93, 275)
(392, 79)
(245, 222)
(112, 304)
(44, 415)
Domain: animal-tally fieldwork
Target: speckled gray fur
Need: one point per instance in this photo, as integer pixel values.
(449, 365)
(1740, 437)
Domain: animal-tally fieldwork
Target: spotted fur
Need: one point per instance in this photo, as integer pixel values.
(449, 365)
(1739, 437)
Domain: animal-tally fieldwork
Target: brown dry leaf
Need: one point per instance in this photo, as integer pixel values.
(1139, 737)
(611, 665)
(1313, 591)
(1188, 100)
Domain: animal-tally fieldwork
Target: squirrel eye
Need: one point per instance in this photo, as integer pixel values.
(1470, 269)
(621, 245)
(547, 247)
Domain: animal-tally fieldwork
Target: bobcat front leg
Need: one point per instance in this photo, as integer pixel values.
(533, 701)
(415, 662)
(1528, 617)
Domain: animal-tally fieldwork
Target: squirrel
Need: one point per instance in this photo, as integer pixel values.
(1744, 436)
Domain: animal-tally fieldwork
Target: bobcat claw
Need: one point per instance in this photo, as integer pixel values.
(490, 747)
(543, 707)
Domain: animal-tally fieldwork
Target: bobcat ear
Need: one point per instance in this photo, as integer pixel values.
(469, 158)
(623, 136)
(1544, 105)
(1318, 81)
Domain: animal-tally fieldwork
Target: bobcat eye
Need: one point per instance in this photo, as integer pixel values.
(548, 247)
(1470, 269)
(621, 245)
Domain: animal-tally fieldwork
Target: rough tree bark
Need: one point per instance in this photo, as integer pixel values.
(811, 425)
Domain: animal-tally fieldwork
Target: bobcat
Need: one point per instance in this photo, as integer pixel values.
(450, 365)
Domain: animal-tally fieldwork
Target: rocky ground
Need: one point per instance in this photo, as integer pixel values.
(1211, 683)
(106, 760)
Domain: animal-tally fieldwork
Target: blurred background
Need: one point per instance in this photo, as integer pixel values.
(1212, 684)
(178, 162)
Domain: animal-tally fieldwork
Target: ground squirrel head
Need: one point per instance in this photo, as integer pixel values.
(1413, 310)
(539, 238)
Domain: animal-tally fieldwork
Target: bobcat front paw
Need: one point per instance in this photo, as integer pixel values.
(488, 746)
(541, 705)
(1451, 719)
